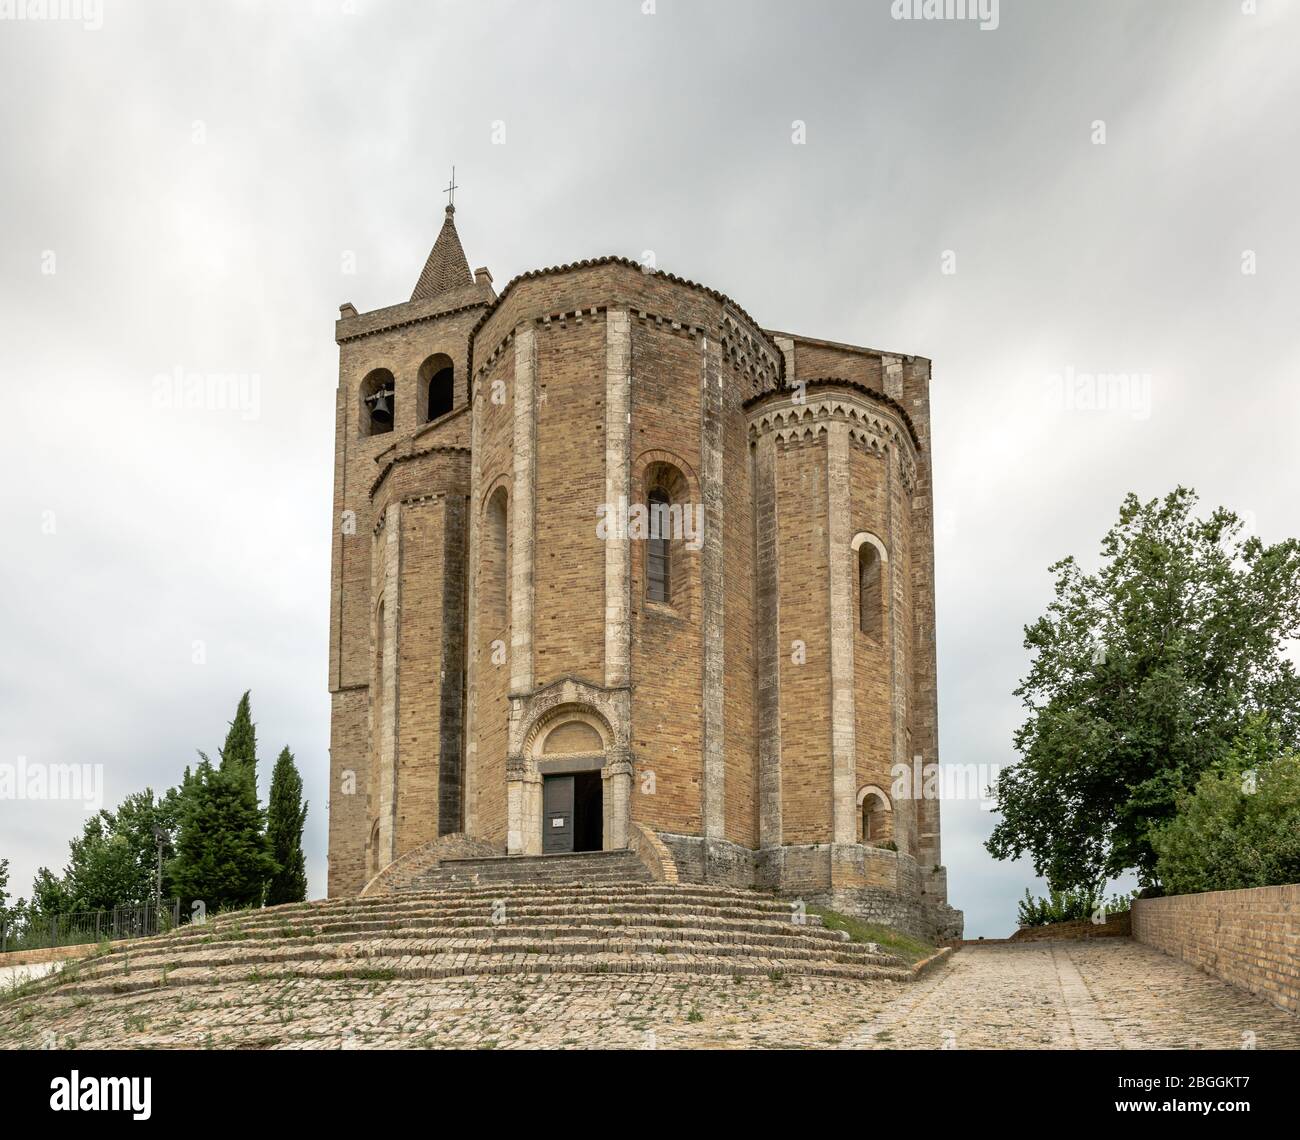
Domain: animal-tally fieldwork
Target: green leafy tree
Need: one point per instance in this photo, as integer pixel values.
(114, 861)
(49, 895)
(240, 750)
(1240, 827)
(12, 916)
(222, 855)
(1142, 675)
(285, 819)
(7, 912)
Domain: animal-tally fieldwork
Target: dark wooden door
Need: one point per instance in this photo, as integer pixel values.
(557, 814)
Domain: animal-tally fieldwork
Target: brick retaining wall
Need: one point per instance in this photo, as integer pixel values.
(1249, 938)
(1115, 926)
(53, 953)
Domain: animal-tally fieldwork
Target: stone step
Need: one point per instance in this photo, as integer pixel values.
(656, 943)
(519, 965)
(509, 891)
(584, 867)
(278, 920)
(572, 917)
(638, 940)
(472, 901)
(704, 930)
(452, 931)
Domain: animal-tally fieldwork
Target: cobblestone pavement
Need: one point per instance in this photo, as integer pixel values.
(1112, 994)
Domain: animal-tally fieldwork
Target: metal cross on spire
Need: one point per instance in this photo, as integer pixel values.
(450, 189)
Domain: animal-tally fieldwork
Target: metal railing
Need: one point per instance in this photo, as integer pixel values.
(37, 932)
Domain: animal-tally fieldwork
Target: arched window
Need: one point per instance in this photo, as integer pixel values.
(670, 532)
(658, 557)
(877, 819)
(495, 579)
(871, 592)
(378, 403)
(374, 850)
(438, 385)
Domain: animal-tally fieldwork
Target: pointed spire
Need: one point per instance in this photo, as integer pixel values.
(446, 268)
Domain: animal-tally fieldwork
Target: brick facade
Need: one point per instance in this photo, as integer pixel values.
(743, 717)
(1250, 938)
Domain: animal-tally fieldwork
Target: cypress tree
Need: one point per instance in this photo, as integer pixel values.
(284, 826)
(222, 856)
(240, 750)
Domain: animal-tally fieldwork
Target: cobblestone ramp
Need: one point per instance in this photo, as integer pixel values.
(494, 929)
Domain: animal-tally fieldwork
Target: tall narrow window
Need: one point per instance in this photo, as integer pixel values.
(495, 580)
(658, 559)
(871, 609)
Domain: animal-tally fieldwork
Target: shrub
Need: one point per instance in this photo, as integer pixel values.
(1069, 906)
(1240, 826)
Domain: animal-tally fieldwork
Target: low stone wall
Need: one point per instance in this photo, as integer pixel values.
(1249, 938)
(1115, 926)
(54, 953)
(399, 873)
(650, 849)
(871, 883)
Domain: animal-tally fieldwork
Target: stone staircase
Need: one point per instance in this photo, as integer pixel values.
(539, 870)
(468, 927)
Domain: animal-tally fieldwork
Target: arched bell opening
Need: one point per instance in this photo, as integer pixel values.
(378, 402)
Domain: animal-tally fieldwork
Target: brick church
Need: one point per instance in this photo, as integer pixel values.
(615, 567)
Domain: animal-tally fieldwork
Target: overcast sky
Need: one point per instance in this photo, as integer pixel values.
(198, 186)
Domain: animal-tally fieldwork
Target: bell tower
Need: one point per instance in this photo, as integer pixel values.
(399, 551)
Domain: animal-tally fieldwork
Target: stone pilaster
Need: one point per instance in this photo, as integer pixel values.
(841, 564)
(712, 593)
(617, 790)
(786, 345)
(618, 555)
(768, 641)
(523, 791)
(925, 707)
(522, 510)
(387, 692)
(469, 788)
(906, 812)
(451, 680)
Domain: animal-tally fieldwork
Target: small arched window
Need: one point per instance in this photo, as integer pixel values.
(378, 403)
(871, 593)
(877, 819)
(658, 558)
(374, 849)
(438, 383)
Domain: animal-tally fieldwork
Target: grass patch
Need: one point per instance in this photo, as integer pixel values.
(886, 937)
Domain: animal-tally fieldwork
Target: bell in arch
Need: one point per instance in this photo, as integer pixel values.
(381, 406)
